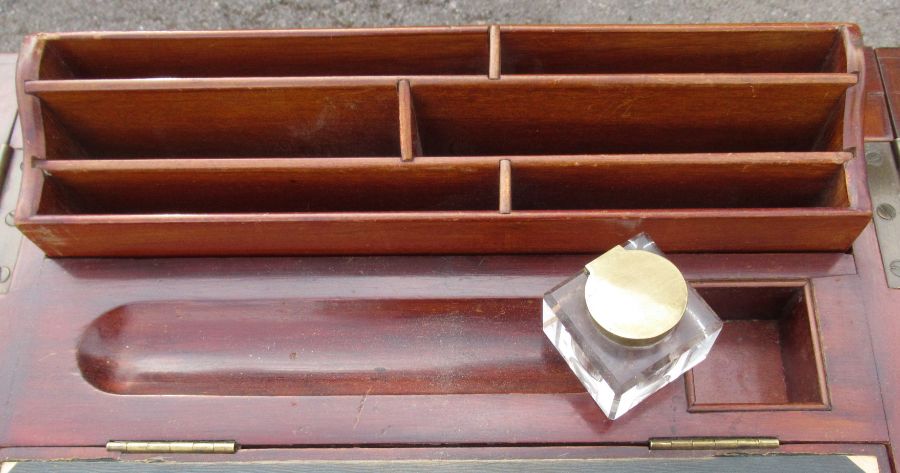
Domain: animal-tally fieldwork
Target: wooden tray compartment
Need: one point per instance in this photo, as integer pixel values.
(666, 49)
(627, 114)
(441, 51)
(693, 181)
(132, 187)
(768, 356)
(342, 52)
(270, 119)
(452, 116)
(443, 161)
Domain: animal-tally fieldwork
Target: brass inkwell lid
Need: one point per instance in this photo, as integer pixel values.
(636, 297)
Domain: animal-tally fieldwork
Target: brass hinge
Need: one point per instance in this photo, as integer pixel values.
(219, 446)
(713, 443)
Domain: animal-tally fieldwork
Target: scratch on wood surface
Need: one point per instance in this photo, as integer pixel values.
(48, 355)
(362, 404)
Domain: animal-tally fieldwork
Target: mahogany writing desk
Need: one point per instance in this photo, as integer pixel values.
(330, 245)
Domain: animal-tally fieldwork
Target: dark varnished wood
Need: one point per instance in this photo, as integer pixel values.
(312, 347)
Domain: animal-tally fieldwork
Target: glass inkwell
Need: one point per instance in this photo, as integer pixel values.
(628, 324)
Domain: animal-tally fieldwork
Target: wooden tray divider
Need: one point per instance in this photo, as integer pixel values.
(410, 145)
(494, 56)
(505, 186)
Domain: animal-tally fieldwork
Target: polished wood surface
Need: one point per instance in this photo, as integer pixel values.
(771, 334)
(734, 48)
(54, 333)
(337, 52)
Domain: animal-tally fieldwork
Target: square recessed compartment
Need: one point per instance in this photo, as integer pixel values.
(768, 355)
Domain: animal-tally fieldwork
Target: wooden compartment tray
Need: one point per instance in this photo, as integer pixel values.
(443, 140)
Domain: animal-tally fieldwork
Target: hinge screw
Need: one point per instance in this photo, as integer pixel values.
(886, 211)
(11, 219)
(895, 267)
(5, 273)
(873, 157)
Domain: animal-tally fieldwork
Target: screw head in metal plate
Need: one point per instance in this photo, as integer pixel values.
(886, 211)
(895, 267)
(636, 297)
(874, 157)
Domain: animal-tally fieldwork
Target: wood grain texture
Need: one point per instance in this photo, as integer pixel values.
(323, 52)
(410, 146)
(460, 115)
(383, 184)
(889, 62)
(877, 115)
(803, 98)
(478, 391)
(50, 325)
(448, 232)
(310, 347)
(625, 114)
(771, 334)
(882, 303)
(735, 464)
(505, 186)
(847, 121)
(656, 49)
(442, 453)
(344, 120)
(494, 40)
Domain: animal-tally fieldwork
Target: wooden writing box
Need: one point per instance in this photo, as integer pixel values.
(400, 199)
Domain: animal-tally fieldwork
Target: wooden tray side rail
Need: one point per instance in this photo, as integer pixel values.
(505, 140)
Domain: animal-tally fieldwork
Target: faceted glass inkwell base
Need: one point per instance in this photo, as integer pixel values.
(628, 324)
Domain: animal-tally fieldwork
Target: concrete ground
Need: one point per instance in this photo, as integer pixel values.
(878, 18)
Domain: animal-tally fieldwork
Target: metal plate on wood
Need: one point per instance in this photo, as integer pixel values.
(884, 187)
(10, 236)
